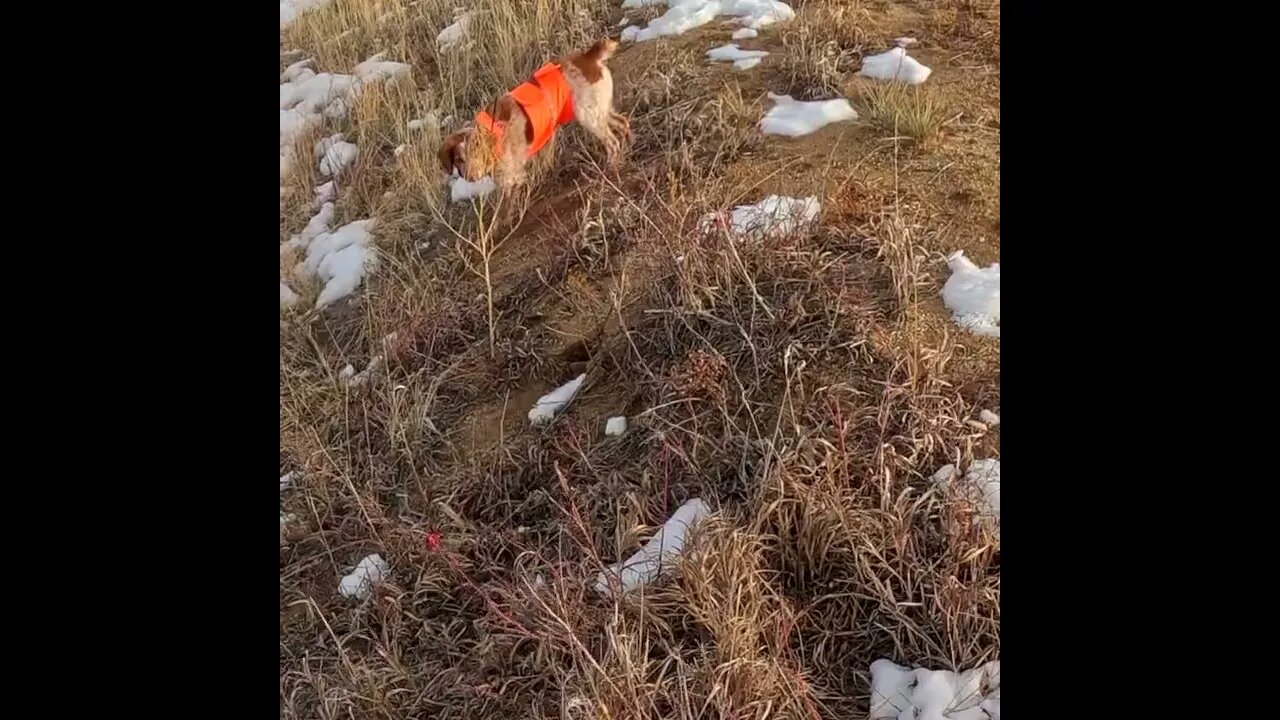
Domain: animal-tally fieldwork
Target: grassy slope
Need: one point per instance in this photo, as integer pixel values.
(806, 386)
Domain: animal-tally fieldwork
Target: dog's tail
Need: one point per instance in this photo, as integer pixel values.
(601, 51)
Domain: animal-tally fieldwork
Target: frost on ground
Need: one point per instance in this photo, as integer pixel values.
(664, 548)
(615, 425)
(684, 15)
(455, 33)
(899, 692)
(894, 65)
(461, 189)
(335, 154)
(340, 258)
(980, 486)
(371, 571)
(774, 216)
(972, 294)
(793, 118)
(551, 403)
(741, 59)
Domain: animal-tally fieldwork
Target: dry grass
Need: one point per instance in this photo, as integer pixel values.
(911, 112)
(822, 45)
(785, 382)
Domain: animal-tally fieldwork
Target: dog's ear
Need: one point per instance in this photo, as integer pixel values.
(452, 152)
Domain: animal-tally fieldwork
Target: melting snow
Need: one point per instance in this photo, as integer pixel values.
(663, 549)
(900, 692)
(291, 9)
(325, 193)
(684, 15)
(461, 189)
(616, 425)
(288, 298)
(794, 118)
(972, 294)
(744, 33)
(335, 154)
(319, 223)
(375, 68)
(742, 59)
(454, 34)
(371, 571)
(980, 485)
(989, 418)
(773, 216)
(340, 258)
(551, 403)
(894, 65)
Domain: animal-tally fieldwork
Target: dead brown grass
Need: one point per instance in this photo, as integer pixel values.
(785, 382)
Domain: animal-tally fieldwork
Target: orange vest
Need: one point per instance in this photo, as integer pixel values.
(547, 102)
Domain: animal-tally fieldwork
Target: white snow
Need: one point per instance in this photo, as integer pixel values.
(900, 692)
(744, 33)
(616, 425)
(454, 34)
(794, 118)
(371, 571)
(335, 154)
(288, 298)
(291, 9)
(551, 403)
(287, 480)
(894, 65)
(904, 42)
(989, 418)
(375, 68)
(684, 15)
(664, 548)
(340, 259)
(972, 294)
(317, 225)
(296, 70)
(774, 216)
(325, 193)
(355, 379)
(980, 485)
(399, 150)
(742, 59)
(461, 189)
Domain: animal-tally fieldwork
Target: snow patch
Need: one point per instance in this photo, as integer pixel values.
(744, 33)
(287, 480)
(793, 118)
(375, 68)
(461, 189)
(741, 59)
(894, 65)
(551, 403)
(340, 258)
(369, 572)
(455, 33)
(990, 418)
(291, 9)
(664, 548)
(325, 193)
(615, 425)
(335, 154)
(972, 294)
(980, 485)
(354, 379)
(900, 692)
(774, 216)
(288, 298)
(684, 15)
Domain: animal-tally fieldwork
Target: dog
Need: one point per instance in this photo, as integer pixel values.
(502, 141)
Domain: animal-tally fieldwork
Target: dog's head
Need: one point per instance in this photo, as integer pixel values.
(453, 153)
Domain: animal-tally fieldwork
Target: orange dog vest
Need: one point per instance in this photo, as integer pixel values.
(546, 101)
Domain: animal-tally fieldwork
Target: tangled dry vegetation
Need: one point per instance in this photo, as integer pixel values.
(802, 386)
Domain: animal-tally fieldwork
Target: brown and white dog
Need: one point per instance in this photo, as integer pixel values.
(502, 142)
